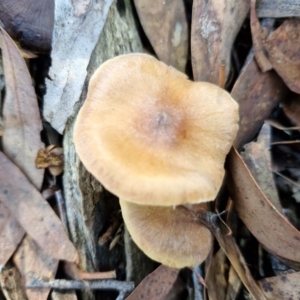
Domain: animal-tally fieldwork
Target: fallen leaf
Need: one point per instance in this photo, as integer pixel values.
(33, 212)
(215, 25)
(262, 219)
(258, 94)
(234, 285)
(29, 257)
(286, 286)
(166, 27)
(63, 295)
(22, 122)
(52, 158)
(156, 285)
(225, 239)
(257, 157)
(216, 276)
(259, 50)
(283, 49)
(11, 284)
(11, 234)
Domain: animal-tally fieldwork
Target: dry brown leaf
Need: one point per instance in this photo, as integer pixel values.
(33, 212)
(22, 122)
(11, 234)
(215, 25)
(283, 48)
(291, 108)
(257, 94)
(226, 241)
(156, 285)
(29, 257)
(215, 279)
(52, 157)
(63, 295)
(11, 284)
(234, 285)
(259, 50)
(165, 25)
(263, 220)
(286, 286)
(257, 157)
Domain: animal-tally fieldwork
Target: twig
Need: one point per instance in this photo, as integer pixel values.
(73, 272)
(124, 287)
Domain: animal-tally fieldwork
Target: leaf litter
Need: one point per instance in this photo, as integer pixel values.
(21, 141)
(265, 96)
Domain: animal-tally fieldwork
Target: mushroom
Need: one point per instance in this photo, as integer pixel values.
(29, 21)
(172, 236)
(157, 141)
(153, 137)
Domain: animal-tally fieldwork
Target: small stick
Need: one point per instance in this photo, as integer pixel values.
(73, 272)
(222, 76)
(124, 287)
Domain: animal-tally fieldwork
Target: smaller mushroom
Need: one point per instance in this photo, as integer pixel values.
(172, 236)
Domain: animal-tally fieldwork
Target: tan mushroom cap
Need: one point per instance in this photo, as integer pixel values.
(150, 135)
(171, 236)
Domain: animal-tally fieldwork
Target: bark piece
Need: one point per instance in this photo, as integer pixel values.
(278, 8)
(88, 208)
(77, 27)
(215, 25)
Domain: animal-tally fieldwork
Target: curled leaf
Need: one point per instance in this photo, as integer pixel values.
(264, 221)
